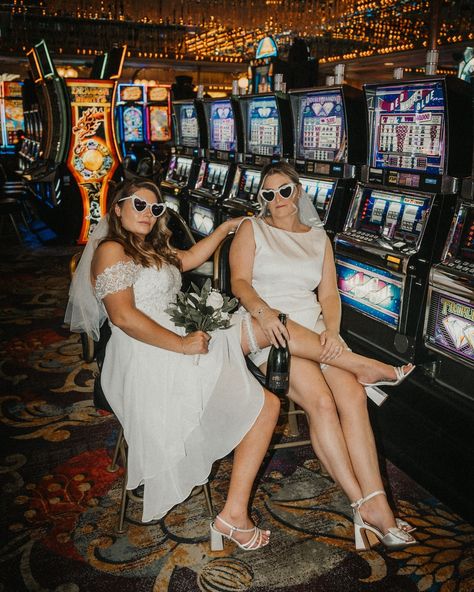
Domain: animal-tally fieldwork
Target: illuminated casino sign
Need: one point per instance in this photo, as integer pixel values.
(451, 325)
(92, 158)
(370, 290)
(267, 48)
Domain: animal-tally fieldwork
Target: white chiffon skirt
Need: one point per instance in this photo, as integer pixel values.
(178, 417)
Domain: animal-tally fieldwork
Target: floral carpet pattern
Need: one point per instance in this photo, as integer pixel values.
(60, 499)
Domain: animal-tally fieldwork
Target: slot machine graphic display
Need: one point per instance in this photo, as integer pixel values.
(267, 136)
(217, 169)
(158, 108)
(11, 114)
(190, 141)
(130, 118)
(400, 212)
(330, 147)
(449, 320)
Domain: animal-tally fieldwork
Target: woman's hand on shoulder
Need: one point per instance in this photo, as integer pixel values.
(332, 345)
(232, 224)
(196, 343)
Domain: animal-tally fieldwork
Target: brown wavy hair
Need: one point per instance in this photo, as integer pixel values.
(155, 250)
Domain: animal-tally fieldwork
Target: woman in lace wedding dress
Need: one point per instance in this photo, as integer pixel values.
(178, 417)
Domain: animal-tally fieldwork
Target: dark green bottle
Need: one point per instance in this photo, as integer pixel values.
(278, 367)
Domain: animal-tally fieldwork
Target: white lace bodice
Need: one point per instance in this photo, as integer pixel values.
(154, 289)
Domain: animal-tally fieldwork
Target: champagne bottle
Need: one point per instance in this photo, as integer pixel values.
(278, 367)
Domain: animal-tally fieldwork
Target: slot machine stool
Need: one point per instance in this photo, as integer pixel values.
(221, 281)
(11, 209)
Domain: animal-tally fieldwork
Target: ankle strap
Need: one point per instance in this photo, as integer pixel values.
(234, 528)
(371, 495)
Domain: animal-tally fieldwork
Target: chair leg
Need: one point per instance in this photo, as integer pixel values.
(17, 232)
(124, 497)
(292, 420)
(207, 494)
(113, 467)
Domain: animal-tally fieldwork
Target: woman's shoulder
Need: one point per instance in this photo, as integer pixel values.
(110, 254)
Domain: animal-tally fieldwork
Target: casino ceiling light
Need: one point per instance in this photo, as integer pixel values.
(199, 29)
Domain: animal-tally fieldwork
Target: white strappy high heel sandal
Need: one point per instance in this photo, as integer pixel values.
(400, 377)
(255, 542)
(395, 538)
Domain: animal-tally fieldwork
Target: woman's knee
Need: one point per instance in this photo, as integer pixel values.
(272, 403)
(319, 401)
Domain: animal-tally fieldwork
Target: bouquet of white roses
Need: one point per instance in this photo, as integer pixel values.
(202, 309)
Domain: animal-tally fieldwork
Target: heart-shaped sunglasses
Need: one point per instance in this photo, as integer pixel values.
(140, 205)
(285, 191)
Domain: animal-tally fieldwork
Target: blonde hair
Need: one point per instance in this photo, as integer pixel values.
(276, 168)
(155, 250)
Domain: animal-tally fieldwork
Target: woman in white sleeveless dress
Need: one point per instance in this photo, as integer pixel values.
(178, 417)
(280, 264)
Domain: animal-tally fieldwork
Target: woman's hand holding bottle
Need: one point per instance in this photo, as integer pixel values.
(273, 328)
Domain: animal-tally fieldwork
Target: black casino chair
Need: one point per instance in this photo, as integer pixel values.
(95, 350)
(182, 238)
(221, 281)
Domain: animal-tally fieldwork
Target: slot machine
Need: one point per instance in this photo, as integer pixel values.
(401, 211)
(11, 114)
(158, 109)
(45, 173)
(268, 137)
(217, 169)
(330, 147)
(449, 320)
(130, 120)
(186, 155)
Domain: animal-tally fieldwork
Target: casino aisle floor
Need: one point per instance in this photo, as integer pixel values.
(59, 501)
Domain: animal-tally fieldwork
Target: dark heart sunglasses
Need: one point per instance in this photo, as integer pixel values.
(140, 205)
(285, 191)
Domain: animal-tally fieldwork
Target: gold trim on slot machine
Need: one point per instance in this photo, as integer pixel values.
(92, 157)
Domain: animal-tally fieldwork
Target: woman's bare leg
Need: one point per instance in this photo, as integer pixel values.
(305, 343)
(310, 391)
(248, 457)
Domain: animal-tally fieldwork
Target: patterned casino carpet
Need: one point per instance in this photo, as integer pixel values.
(59, 502)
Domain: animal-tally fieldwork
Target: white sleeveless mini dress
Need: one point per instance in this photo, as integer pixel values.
(178, 418)
(286, 272)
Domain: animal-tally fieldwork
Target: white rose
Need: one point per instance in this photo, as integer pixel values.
(225, 316)
(215, 300)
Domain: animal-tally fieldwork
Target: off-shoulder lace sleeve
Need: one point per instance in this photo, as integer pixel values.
(119, 276)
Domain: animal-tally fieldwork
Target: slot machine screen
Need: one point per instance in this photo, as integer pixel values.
(172, 202)
(409, 128)
(159, 124)
(392, 215)
(263, 127)
(201, 219)
(370, 290)
(321, 192)
(187, 125)
(461, 239)
(212, 176)
(222, 126)
(246, 185)
(450, 325)
(132, 124)
(321, 127)
(179, 169)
